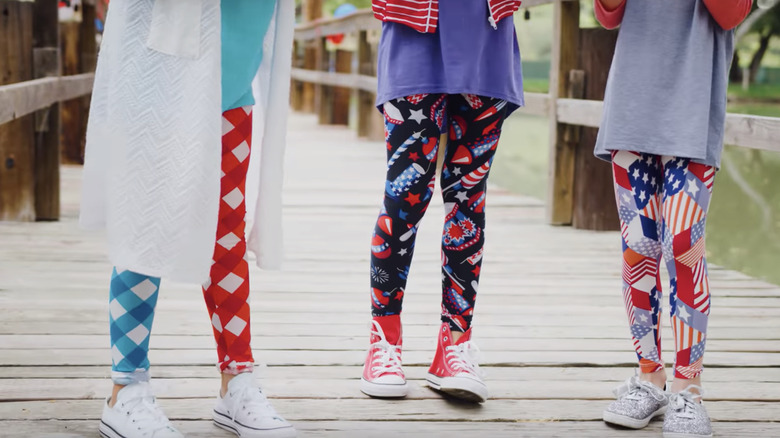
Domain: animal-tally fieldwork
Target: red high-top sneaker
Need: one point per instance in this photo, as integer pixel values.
(455, 370)
(382, 372)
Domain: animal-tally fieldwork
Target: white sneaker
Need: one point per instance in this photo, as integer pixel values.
(246, 412)
(136, 415)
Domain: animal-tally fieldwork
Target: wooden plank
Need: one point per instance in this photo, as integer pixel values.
(369, 410)
(408, 429)
(536, 104)
(562, 153)
(17, 183)
(18, 100)
(715, 377)
(359, 342)
(580, 112)
(347, 387)
(349, 80)
(753, 131)
(624, 358)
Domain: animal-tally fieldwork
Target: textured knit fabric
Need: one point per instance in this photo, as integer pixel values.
(133, 296)
(227, 291)
(464, 55)
(423, 16)
(666, 92)
(132, 299)
(662, 204)
(154, 107)
(244, 25)
(413, 127)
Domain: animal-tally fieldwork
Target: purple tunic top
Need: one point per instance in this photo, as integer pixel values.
(465, 55)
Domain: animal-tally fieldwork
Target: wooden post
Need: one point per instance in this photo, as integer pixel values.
(296, 87)
(46, 62)
(312, 10)
(594, 195)
(17, 187)
(71, 109)
(562, 153)
(369, 122)
(79, 53)
(341, 95)
(323, 94)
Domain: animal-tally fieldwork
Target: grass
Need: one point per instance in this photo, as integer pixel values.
(536, 85)
(755, 92)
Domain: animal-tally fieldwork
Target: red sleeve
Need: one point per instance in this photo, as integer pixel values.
(611, 19)
(728, 13)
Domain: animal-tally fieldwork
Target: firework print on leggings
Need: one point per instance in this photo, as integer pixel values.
(413, 127)
(227, 291)
(662, 204)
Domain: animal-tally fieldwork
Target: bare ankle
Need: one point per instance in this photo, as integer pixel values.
(679, 385)
(657, 378)
(114, 393)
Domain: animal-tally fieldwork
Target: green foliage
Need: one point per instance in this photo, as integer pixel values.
(331, 5)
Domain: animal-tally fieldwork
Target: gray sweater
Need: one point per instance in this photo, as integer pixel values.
(666, 91)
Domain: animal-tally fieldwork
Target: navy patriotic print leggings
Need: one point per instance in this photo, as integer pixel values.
(413, 127)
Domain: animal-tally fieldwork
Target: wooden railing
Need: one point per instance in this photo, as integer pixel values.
(41, 69)
(23, 98)
(564, 104)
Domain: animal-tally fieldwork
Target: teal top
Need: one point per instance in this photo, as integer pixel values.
(244, 25)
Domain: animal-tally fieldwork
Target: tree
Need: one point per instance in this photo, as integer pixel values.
(765, 23)
(766, 27)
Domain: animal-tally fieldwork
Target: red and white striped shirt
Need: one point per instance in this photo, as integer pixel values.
(423, 15)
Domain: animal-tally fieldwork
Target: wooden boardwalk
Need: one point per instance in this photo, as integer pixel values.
(550, 322)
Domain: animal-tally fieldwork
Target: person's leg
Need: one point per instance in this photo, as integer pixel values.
(241, 406)
(227, 291)
(475, 127)
(132, 410)
(132, 300)
(413, 126)
(638, 182)
(638, 179)
(686, 199)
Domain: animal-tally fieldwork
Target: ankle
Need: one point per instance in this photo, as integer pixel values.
(657, 378)
(114, 393)
(226, 378)
(680, 385)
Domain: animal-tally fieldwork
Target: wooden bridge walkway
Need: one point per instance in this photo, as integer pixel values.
(550, 322)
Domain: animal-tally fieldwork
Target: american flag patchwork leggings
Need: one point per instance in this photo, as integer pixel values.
(133, 296)
(662, 203)
(413, 127)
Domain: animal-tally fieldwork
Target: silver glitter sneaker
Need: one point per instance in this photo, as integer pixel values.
(637, 403)
(686, 417)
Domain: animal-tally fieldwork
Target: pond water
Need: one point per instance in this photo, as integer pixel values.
(743, 230)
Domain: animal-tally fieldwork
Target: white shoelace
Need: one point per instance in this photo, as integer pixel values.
(145, 413)
(387, 358)
(685, 401)
(633, 388)
(250, 399)
(464, 357)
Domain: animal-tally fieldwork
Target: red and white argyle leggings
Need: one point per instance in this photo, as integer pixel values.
(133, 296)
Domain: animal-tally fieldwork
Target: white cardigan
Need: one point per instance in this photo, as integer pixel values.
(152, 169)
